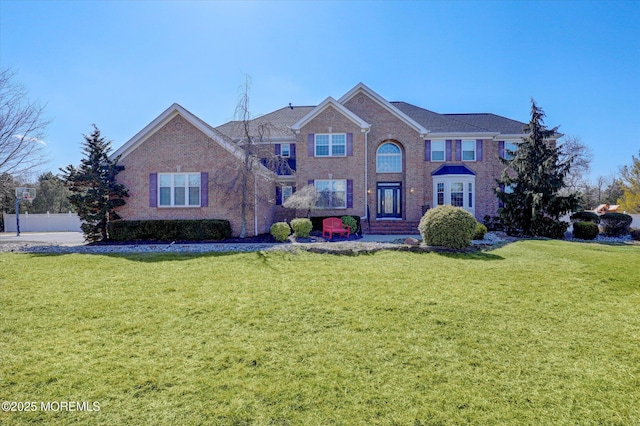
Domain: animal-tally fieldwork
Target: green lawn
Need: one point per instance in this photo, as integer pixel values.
(536, 332)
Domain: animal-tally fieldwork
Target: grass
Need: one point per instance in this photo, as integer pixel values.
(536, 332)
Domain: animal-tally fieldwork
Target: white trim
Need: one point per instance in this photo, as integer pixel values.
(330, 102)
(462, 150)
(362, 88)
(466, 136)
(444, 151)
(330, 145)
(399, 154)
(172, 188)
(168, 115)
(447, 180)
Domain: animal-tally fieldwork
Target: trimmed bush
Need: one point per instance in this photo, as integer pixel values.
(301, 227)
(169, 230)
(615, 224)
(585, 230)
(549, 228)
(351, 222)
(280, 231)
(447, 226)
(480, 232)
(635, 234)
(584, 217)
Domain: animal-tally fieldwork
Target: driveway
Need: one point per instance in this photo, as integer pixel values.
(54, 238)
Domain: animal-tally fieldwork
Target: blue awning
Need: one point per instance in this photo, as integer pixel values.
(453, 170)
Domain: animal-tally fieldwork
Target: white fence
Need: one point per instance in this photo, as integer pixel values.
(48, 222)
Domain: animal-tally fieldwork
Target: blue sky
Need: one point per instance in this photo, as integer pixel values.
(119, 64)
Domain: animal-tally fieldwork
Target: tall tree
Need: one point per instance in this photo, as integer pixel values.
(530, 184)
(239, 178)
(630, 181)
(22, 128)
(53, 195)
(95, 191)
(580, 156)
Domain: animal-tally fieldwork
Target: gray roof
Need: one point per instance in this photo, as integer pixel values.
(492, 123)
(278, 123)
(280, 120)
(434, 122)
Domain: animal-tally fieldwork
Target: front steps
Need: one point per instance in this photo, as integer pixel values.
(390, 227)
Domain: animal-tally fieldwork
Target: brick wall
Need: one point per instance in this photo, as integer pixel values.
(180, 147)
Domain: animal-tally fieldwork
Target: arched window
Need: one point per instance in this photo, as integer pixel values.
(389, 158)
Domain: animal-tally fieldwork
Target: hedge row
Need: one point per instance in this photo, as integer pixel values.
(169, 230)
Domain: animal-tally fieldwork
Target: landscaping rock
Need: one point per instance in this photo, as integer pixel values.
(410, 241)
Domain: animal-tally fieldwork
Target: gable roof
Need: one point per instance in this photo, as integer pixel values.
(437, 123)
(330, 102)
(362, 88)
(168, 115)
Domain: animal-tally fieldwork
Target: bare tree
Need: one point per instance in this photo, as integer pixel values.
(303, 199)
(21, 128)
(580, 156)
(240, 179)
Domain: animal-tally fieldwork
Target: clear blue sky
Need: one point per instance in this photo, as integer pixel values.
(119, 64)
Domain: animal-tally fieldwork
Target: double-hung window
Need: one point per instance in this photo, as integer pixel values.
(469, 150)
(287, 191)
(179, 189)
(285, 150)
(331, 145)
(332, 194)
(437, 150)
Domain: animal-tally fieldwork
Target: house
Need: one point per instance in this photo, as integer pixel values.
(386, 162)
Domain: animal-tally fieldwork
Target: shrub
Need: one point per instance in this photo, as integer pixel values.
(447, 226)
(301, 227)
(351, 222)
(635, 234)
(169, 230)
(480, 232)
(493, 223)
(585, 230)
(585, 217)
(280, 231)
(615, 224)
(550, 228)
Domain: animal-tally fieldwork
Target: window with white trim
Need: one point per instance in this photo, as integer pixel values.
(389, 158)
(509, 149)
(179, 189)
(332, 194)
(437, 150)
(440, 194)
(285, 150)
(469, 150)
(455, 190)
(287, 191)
(331, 145)
(457, 194)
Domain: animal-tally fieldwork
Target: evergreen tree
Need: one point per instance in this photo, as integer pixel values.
(53, 195)
(530, 184)
(95, 191)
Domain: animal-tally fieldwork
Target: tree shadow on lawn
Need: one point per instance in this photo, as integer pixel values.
(144, 257)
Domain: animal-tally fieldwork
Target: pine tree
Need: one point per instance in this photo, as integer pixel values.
(95, 191)
(530, 184)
